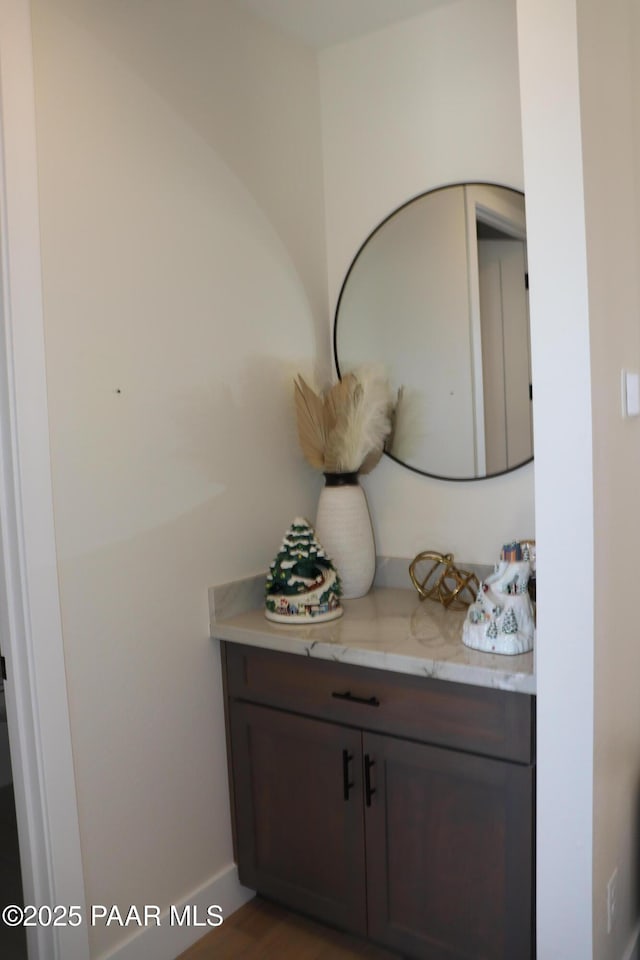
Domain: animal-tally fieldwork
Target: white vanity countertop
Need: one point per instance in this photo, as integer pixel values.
(389, 629)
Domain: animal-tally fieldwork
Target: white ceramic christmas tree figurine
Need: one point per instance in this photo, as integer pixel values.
(302, 584)
(501, 620)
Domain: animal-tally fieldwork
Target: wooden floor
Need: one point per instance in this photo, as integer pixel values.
(263, 931)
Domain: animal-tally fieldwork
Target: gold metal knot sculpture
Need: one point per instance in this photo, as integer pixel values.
(443, 581)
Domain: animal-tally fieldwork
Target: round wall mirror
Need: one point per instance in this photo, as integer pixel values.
(438, 294)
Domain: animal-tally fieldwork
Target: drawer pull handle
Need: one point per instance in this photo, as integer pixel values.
(368, 789)
(346, 783)
(347, 695)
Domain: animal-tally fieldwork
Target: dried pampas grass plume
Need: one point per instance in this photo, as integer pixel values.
(344, 430)
(310, 415)
(408, 426)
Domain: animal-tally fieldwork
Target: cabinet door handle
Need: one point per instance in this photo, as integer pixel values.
(346, 783)
(347, 695)
(368, 789)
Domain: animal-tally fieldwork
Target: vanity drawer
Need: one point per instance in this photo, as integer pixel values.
(496, 723)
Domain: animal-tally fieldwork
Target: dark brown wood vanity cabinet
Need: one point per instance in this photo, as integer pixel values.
(395, 807)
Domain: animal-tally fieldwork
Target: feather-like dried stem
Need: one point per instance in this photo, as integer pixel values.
(345, 429)
(310, 420)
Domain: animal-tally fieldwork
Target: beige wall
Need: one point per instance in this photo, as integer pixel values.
(429, 101)
(580, 119)
(184, 285)
(609, 81)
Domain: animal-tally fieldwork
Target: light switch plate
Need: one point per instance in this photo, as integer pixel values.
(630, 393)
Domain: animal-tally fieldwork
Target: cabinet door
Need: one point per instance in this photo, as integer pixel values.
(449, 852)
(298, 807)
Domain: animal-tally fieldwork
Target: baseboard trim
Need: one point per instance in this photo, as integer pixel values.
(633, 949)
(166, 941)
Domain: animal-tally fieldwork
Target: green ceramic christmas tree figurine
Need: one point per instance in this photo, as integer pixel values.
(302, 584)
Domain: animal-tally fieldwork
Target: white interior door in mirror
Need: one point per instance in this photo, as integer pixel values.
(504, 320)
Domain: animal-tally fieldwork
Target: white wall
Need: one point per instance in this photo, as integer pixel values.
(184, 286)
(564, 493)
(426, 102)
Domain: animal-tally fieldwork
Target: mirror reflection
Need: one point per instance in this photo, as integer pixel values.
(438, 293)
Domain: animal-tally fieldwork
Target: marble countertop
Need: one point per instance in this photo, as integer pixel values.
(389, 629)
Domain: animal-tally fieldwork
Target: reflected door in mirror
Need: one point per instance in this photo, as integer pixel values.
(506, 374)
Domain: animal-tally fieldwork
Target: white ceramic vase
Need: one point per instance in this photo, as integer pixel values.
(343, 528)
